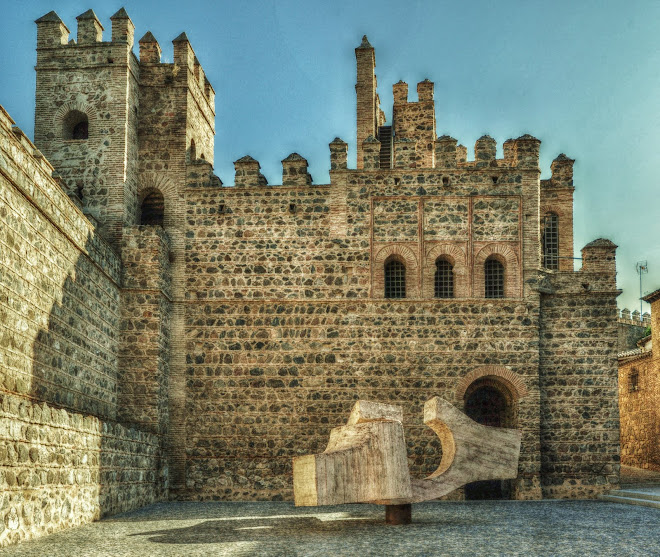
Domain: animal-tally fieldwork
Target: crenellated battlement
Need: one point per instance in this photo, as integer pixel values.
(52, 32)
(184, 57)
(634, 318)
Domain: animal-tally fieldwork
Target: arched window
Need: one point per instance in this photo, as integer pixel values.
(152, 210)
(551, 241)
(395, 279)
(76, 125)
(444, 278)
(493, 278)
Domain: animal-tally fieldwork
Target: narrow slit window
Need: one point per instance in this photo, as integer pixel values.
(633, 384)
(494, 278)
(551, 241)
(444, 279)
(395, 279)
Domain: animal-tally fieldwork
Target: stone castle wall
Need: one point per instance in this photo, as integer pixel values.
(238, 333)
(580, 416)
(60, 290)
(97, 79)
(286, 326)
(60, 469)
(63, 458)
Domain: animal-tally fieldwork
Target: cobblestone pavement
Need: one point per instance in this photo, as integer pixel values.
(491, 528)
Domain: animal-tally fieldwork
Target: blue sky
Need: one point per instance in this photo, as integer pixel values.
(582, 76)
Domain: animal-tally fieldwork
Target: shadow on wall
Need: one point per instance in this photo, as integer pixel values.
(74, 358)
(65, 459)
(105, 467)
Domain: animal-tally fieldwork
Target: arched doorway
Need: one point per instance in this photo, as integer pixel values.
(490, 402)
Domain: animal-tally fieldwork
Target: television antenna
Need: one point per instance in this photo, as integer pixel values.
(642, 267)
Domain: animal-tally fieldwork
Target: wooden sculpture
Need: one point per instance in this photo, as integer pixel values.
(366, 460)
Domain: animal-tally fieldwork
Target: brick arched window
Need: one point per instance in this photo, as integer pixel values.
(494, 278)
(76, 125)
(551, 241)
(444, 278)
(395, 278)
(152, 210)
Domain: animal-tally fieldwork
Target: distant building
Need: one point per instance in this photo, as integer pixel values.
(639, 396)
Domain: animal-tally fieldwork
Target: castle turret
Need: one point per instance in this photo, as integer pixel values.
(86, 115)
(414, 122)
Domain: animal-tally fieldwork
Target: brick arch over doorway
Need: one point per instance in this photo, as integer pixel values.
(510, 378)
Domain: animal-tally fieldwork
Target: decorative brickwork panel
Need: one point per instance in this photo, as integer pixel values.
(396, 220)
(446, 218)
(496, 218)
(506, 254)
(400, 253)
(456, 255)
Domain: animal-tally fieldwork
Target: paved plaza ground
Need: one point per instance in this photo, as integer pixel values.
(491, 528)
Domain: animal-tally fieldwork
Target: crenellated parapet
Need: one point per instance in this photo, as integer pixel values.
(123, 30)
(184, 59)
(562, 173)
(522, 153)
(634, 318)
(415, 121)
(51, 31)
(90, 29)
(371, 153)
(485, 150)
(294, 171)
(338, 154)
(599, 259)
(150, 51)
(248, 172)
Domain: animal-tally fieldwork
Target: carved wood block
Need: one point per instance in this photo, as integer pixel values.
(366, 460)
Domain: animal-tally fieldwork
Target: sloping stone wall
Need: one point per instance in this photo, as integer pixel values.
(60, 285)
(64, 460)
(60, 469)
